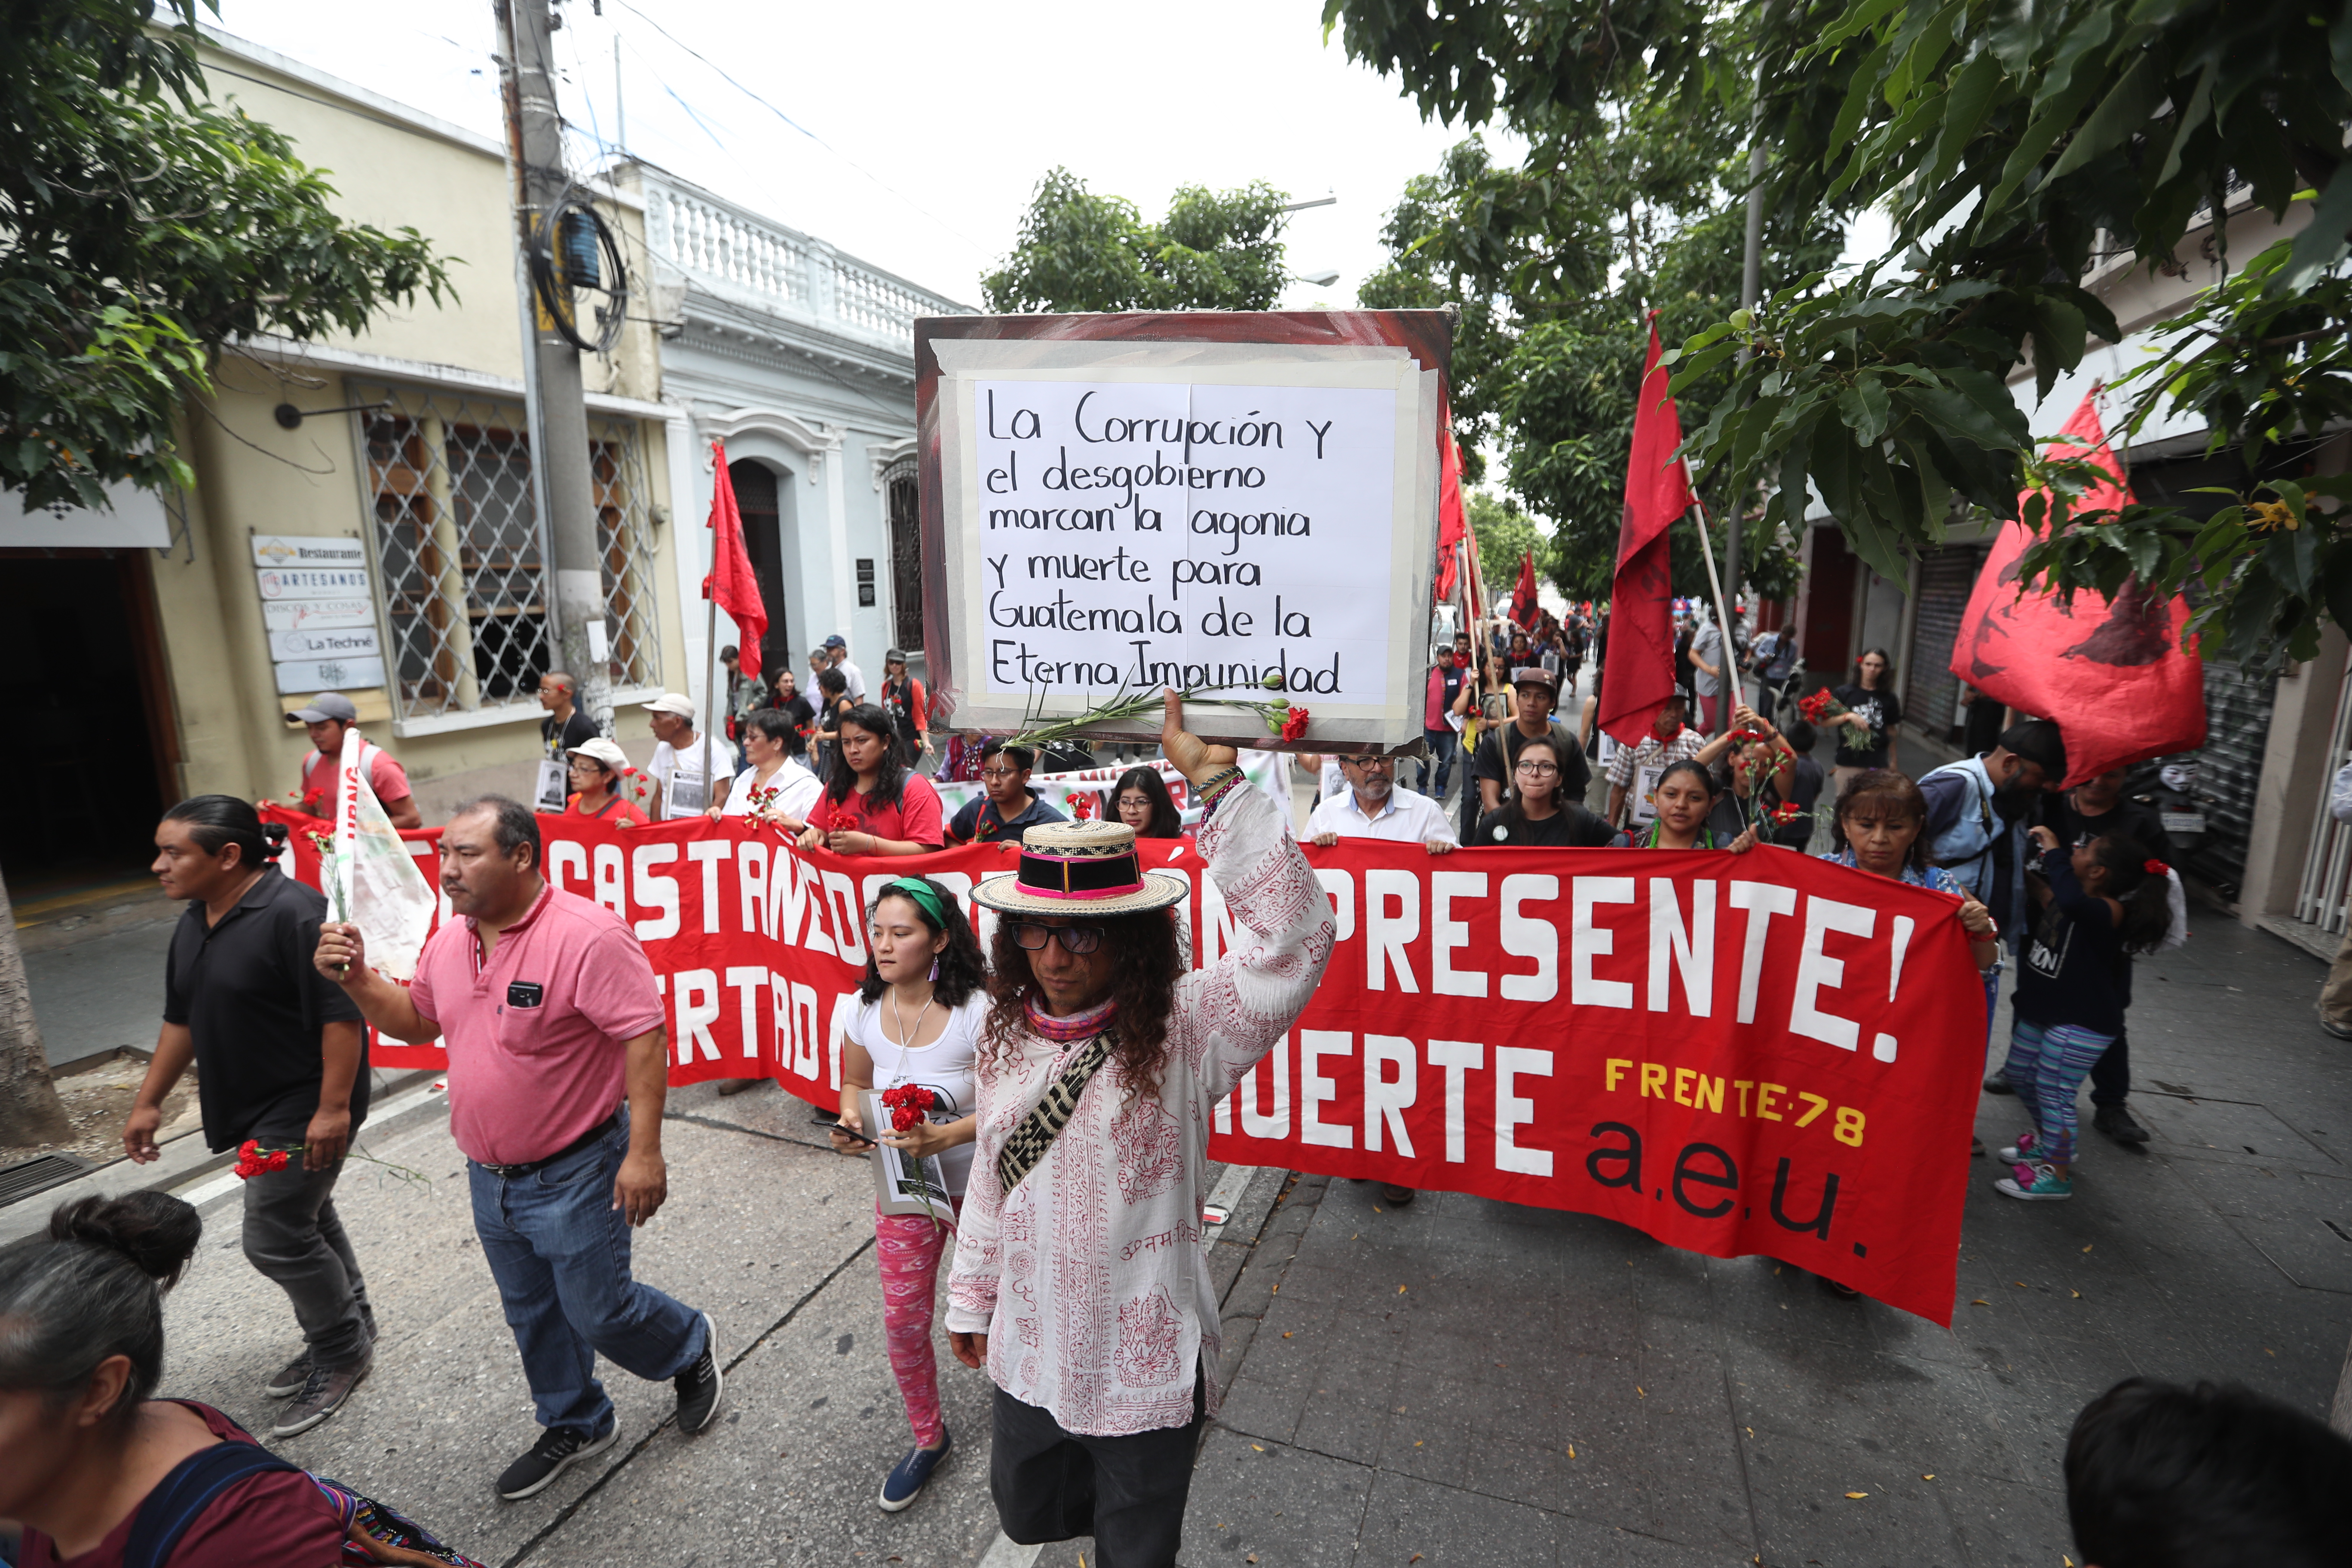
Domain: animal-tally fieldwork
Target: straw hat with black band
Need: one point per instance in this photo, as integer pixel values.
(1079, 868)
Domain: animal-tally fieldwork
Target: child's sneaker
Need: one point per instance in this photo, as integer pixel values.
(2039, 1183)
(2021, 1152)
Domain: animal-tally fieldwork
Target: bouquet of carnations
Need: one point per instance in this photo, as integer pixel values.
(1823, 709)
(909, 1105)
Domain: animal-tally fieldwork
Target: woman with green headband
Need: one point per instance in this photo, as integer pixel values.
(918, 1022)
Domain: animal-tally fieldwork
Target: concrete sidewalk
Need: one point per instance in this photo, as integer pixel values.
(1548, 1387)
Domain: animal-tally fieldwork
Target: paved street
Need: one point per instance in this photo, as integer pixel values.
(1544, 1388)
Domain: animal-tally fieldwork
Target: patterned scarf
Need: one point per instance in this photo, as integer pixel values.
(1076, 1026)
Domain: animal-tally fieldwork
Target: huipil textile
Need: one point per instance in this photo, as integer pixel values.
(1090, 1280)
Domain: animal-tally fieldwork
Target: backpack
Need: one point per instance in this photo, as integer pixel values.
(183, 1496)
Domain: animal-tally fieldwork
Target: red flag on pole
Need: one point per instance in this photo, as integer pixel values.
(1451, 524)
(1640, 674)
(732, 580)
(2116, 675)
(1523, 596)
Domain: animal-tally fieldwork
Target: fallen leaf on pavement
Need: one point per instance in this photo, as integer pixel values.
(1399, 1289)
(1572, 1450)
(2076, 1294)
(1980, 1301)
(1259, 1446)
(1857, 1494)
(2088, 1248)
(1288, 1333)
(1927, 1477)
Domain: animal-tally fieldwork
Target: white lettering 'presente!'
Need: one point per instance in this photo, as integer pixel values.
(1140, 534)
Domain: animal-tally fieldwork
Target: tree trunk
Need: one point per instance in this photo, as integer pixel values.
(30, 1111)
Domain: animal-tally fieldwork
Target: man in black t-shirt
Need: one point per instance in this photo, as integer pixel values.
(2094, 809)
(565, 727)
(282, 1062)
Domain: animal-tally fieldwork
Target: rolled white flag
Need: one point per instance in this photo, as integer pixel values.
(377, 886)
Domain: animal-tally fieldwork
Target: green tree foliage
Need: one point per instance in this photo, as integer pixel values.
(2013, 145)
(140, 230)
(1216, 250)
(1556, 262)
(1505, 535)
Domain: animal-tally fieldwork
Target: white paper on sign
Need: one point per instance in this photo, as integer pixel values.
(377, 886)
(894, 1185)
(1137, 534)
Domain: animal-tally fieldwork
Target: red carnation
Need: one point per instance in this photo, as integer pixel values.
(1294, 724)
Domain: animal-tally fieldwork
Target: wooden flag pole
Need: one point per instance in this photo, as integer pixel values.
(1726, 653)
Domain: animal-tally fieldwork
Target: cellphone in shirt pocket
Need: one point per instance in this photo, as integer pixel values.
(525, 994)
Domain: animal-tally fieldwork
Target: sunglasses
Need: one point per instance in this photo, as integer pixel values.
(1077, 940)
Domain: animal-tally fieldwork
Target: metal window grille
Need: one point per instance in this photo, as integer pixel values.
(906, 564)
(624, 534)
(460, 573)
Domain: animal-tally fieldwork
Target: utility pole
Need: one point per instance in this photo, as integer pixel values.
(559, 407)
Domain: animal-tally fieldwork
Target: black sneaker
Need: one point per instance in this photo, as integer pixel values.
(322, 1394)
(556, 1448)
(698, 1385)
(1998, 1084)
(2116, 1123)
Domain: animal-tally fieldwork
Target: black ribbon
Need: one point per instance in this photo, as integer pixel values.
(1080, 876)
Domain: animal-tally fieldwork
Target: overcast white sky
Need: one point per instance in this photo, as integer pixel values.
(932, 123)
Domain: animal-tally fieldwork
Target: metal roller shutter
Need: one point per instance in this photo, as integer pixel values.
(1931, 699)
(2228, 770)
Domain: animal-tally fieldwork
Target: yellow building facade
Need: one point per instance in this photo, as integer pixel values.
(365, 518)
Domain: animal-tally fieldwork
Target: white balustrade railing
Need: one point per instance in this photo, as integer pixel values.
(779, 266)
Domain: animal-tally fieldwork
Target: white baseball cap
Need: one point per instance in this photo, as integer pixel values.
(671, 702)
(603, 750)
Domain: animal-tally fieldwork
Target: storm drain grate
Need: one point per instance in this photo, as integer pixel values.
(39, 1175)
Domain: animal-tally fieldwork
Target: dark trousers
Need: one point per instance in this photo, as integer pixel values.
(2111, 1074)
(1442, 744)
(1128, 1492)
(293, 1237)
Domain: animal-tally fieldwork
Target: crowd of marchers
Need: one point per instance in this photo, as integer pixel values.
(555, 1031)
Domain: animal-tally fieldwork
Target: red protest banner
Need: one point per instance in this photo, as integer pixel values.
(1733, 1054)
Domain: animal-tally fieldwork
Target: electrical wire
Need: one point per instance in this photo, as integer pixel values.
(878, 182)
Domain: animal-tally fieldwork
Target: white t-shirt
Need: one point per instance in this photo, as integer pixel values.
(799, 786)
(944, 1067)
(849, 672)
(670, 764)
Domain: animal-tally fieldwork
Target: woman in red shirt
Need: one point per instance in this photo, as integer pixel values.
(872, 804)
(83, 1449)
(599, 769)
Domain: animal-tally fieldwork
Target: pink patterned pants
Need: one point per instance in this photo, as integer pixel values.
(908, 1247)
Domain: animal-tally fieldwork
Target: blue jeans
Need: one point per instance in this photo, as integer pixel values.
(1442, 744)
(559, 1253)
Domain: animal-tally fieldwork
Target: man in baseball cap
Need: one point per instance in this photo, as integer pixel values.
(327, 715)
(1537, 690)
(677, 759)
(838, 648)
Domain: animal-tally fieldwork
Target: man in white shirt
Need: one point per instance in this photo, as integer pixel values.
(680, 787)
(837, 650)
(1374, 805)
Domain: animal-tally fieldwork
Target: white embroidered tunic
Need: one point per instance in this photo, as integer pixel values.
(1090, 1281)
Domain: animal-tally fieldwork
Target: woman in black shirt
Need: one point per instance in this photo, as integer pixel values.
(1533, 816)
(1866, 729)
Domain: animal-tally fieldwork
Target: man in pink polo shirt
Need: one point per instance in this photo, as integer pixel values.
(558, 1068)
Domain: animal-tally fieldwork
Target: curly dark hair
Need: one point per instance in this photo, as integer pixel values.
(961, 972)
(1145, 968)
(888, 779)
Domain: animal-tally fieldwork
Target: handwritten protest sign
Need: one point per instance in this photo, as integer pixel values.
(1113, 504)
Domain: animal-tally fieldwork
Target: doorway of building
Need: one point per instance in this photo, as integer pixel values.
(80, 673)
(763, 541)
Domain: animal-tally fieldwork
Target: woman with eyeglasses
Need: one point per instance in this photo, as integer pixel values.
(1686, 795)
(1533, 816)
(598, 769)
(1080, 1279)
(918, 1022)
(872, 804)
(1144, 802)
